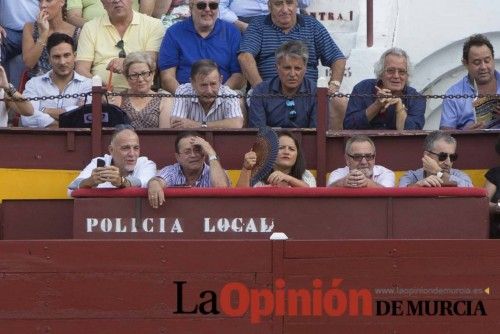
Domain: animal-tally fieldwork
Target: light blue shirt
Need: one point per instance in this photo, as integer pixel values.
(44, 86)
(458, 113)
(230, 10)
(14, 14)
(413, 176)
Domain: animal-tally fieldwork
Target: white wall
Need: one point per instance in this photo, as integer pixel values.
(431, 31)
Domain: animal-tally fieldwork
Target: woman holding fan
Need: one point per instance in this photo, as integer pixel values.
(289, 169)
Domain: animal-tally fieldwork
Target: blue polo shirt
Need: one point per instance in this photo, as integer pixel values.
(182, 46)
(457, 113)
(263, 37)
(355, 116)
(274, 112)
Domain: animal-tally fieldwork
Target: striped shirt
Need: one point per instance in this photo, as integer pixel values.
(174, 176)
(190, 107)
(263, 37)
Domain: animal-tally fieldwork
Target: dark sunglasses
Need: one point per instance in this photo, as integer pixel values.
(443, 156)
(211, 5)
(292, 113)
(359, 157)
(121, 45)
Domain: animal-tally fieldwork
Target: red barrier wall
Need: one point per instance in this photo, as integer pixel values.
(128, 286)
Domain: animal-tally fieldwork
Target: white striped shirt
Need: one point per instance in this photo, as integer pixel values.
(190, 107)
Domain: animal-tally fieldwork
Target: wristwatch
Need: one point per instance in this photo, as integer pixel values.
(204, 124)
(122, 182)
(213, 157)
(336, 83)
(11, 90)
(439, 174)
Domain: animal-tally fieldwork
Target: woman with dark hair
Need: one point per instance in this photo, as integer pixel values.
(289, 169)
(52, 18)
(492, 187)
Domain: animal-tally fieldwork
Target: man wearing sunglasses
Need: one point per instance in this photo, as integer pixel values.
(361, 171)
(439, 156)
(293, 104)
(106, 40)
(202, 36)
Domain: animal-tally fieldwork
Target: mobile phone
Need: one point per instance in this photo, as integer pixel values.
(100, 162)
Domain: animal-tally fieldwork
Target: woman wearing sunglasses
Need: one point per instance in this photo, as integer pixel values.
(143, 111)
(52, 18)
(289, 169)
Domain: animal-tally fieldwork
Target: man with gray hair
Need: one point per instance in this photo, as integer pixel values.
(387, 102)
(294, 105)
(266, 33)
(123, 167)
(360, 170)
(439, 155)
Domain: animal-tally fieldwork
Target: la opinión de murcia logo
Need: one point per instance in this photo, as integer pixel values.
(235, 299)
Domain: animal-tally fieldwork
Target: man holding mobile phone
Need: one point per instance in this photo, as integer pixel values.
(122, 167)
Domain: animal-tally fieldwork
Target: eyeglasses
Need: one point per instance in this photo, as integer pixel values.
(392, 71)
(443, 156)
(359, 157)
(144, 75)
(121, 45)
(292, 113)
(211, 5)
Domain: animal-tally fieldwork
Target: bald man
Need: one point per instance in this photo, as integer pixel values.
(121, 168)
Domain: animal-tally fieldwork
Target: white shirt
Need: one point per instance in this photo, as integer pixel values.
(4, 116)
(381, 175)
(144, 170)
(44, 86)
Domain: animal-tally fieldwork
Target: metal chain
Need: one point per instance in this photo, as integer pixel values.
(239, 96)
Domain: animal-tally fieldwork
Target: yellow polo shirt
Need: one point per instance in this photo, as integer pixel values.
(98, 38)
(93, 8)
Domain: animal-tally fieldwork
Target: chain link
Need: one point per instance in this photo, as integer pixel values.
(239, 96)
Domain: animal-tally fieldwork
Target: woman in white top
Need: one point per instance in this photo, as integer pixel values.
(289, 169)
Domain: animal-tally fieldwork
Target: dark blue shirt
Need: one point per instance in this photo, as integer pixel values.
(274, 112)
(262, 38)
(355, 117)
(182, 46)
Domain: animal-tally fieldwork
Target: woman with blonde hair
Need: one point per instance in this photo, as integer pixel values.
(144, 112)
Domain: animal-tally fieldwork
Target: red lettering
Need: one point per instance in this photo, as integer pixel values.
(243, 299)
